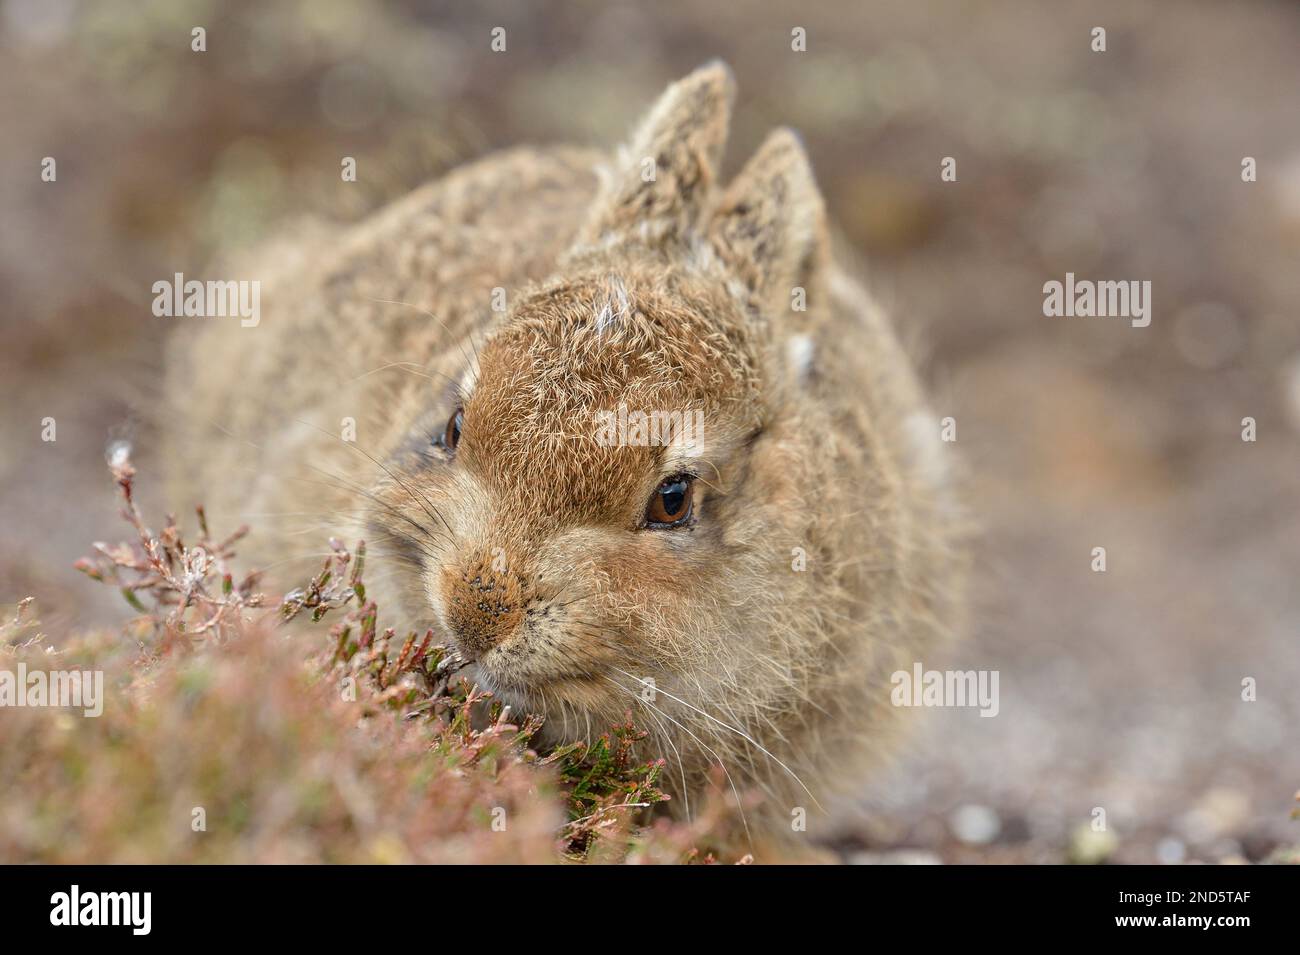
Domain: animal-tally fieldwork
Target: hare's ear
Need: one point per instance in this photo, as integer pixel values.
(770, 224)
(662, 176)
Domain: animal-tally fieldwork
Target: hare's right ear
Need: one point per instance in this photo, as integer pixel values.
(662, 176)
(769, 227)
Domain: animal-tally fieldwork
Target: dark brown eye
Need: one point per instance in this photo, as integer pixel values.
(670, 505)
(451, 433)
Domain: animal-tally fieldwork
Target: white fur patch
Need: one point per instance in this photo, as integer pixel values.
(927, 454)
(799, 353)
(616, 308)
(468, 380)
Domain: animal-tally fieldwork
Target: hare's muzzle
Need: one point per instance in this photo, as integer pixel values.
(484, 601)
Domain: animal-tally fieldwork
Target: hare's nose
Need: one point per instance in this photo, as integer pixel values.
(483, 599)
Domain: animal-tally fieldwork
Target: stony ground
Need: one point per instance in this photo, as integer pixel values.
(1120, 691)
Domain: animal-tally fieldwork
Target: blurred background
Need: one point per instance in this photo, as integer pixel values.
(1120, 690)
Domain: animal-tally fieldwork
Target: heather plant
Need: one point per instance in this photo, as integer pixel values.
(240, 728)
(18, 631)
(605, 784)
(192, 588)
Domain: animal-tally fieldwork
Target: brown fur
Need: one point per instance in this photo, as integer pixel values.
(525, 547)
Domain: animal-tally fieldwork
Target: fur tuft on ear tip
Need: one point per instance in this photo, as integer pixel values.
(663, 175)
(782, 153)
(715, 75)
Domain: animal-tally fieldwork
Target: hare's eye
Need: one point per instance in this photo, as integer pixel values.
(451, 433)
(670, 505)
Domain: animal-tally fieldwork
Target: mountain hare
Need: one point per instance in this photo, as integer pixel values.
(621, 433)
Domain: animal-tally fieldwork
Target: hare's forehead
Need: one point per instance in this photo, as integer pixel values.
(582, 351)
(534, 427)
(598, 411)
(563, 386)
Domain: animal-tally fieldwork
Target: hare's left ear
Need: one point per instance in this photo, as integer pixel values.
(662, 176)
(769, 227)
